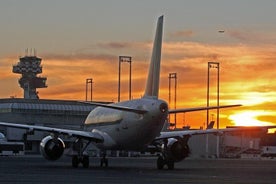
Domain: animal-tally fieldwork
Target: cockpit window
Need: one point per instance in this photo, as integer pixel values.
(103, 116)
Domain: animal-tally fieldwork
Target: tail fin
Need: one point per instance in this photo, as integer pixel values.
(211, 125)
(152, 86)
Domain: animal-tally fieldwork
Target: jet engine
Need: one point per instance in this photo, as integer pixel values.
(176, 150)
(52, 148)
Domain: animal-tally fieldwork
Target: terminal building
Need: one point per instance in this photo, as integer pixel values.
(53, 113)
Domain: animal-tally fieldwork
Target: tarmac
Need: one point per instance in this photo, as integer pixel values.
(35, 169)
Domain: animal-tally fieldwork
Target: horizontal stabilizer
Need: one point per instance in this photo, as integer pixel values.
(117, 107)
(201, 108)
(211, 125)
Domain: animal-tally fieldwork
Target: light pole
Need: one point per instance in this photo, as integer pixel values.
(217, 66)
(126, 59)
(88, 81)
(173, 76)
(212, 65)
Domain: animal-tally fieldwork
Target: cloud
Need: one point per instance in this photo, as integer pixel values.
(182, 34)
(115, 45)
(124, 45)
(252, 36)
(246, 74)
(240, 35)
(186, 58)
(77, 57)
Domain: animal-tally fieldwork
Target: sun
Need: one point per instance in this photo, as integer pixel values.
(250, 118)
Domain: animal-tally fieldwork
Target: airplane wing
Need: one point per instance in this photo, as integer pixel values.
(117, 107)
(93, 136)
(142, 111)
(183, 110)
(182, 133)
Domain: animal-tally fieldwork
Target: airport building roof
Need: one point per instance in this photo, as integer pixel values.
(58, 105)
(41, 104)
(44, 111)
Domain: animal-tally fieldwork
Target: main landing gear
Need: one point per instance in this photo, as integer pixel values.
(104, 160)
(84, 159)
(161, 162)
(81, 157)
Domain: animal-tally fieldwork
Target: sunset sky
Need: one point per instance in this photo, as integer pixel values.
(83, 39)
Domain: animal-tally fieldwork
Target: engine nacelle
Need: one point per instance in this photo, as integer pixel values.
(52, 148)
(176, 150)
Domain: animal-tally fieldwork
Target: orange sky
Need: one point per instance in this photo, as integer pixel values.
(246, 77)
(84, 39)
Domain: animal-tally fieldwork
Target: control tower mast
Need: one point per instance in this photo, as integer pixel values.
(29, 67)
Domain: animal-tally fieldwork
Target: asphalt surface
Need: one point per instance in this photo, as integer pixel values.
(35, 169)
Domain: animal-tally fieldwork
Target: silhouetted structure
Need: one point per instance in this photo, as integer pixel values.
(29, 67)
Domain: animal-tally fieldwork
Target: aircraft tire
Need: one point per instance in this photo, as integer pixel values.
(170, 165)
(85, 161)
(160, 163)
(75, 161)
(104, 162)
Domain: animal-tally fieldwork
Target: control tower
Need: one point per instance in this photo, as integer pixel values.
(29, 67)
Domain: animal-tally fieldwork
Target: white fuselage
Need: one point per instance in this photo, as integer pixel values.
(123, 130)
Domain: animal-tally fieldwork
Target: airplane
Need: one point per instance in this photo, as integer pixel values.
(133, 125)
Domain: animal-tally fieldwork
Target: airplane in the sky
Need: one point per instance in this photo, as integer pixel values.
(134, 125)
